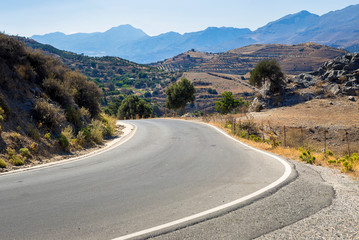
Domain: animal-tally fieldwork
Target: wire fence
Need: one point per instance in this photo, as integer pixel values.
(341, 141)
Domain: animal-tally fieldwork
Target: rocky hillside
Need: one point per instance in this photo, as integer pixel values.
(294, 59)
(45, 108)
(337, 78)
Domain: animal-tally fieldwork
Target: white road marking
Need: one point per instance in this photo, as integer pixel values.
(287, 172)
(129, 132)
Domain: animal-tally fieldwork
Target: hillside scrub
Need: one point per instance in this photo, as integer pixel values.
(45, 107)
(115, 76)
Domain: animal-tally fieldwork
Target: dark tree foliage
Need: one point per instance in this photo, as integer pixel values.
(132, 106)
(227, 103)
(179, 94)
(268, 72)
(86, 93)
(113, 106)
(212, 91)
(58, 92)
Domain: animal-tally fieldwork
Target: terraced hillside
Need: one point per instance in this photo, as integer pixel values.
(294, 59)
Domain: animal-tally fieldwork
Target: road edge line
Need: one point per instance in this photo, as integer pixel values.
(131, 128)
(197, 217)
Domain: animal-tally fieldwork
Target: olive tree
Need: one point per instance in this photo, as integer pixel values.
(267, 72)
(227, 103)
(179, 94)
(132, 106)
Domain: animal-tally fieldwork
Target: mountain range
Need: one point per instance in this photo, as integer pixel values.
(337, 29)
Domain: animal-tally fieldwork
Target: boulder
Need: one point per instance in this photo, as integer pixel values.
(331, 76)
(333, 88)
(351, 98)
(350, 91)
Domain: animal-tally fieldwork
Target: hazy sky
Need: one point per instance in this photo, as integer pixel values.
(29, 17)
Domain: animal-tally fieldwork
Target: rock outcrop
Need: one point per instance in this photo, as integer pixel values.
(336, 78)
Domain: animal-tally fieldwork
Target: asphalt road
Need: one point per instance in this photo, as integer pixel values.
(167, 171)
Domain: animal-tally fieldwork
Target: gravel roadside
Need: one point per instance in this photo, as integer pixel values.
(338, 221)
(320, 204)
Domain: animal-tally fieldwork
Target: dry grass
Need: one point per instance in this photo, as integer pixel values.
(293, 153)
(219, 83)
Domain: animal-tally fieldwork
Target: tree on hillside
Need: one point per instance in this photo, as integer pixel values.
(113, 106)
(227, 103)
(133, 105)
(179, 94)
(269, 73)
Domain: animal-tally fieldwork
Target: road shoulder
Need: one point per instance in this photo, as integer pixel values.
(128, 131)
(338, 221)
(300, 199)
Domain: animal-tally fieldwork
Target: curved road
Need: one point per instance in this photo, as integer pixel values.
(167, 171)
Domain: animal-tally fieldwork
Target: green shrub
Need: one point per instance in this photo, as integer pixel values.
(73, 116)
(4, 106)
(329, 153)
(25, 152)
(58, 91)
(33, 132)
(10, 152)
(96, 131)
(228, 124)
(347, 166)
(85, 114)
(64, 142)
(68, 132)
(81, 138)
(87, 93)
(243, 134)
(109, 126)
(49, 114)
(2, 114)
(273, 140)
(255, 138)
(132, 106)
(15, 136)
(347, 162)
(34, 146)
(307, 157)
(17, 160)
(47, 136)
(2, 163)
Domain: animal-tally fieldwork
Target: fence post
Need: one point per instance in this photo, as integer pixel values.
(302, 135)
(325, 143)
(234, 125)
(346, 136)
(284, 137)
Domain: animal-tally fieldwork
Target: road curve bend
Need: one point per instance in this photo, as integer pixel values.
(171, 173)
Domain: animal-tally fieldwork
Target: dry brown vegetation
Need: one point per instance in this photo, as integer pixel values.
(203, 82)
(328, 128)
(294, 59)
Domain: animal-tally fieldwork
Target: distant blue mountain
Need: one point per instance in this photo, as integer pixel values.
(94, 44)
(285, 30)
(338, 28)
